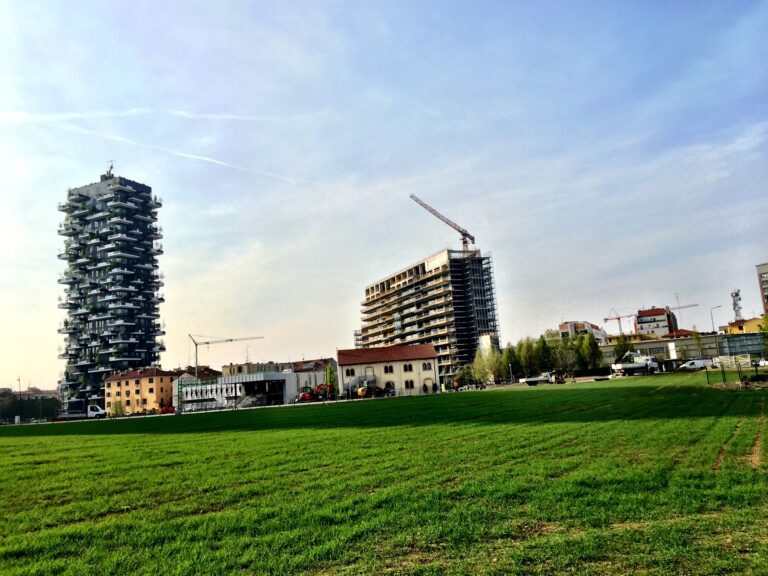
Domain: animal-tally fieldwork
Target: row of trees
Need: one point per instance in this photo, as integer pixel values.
(530, 357)
(40, 407)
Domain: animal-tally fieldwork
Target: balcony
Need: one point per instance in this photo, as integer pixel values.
(125, 305)
(67, 305)
(121, 204)
(123, 340)
(122, 237)
(120, 271)
(119, 323)
(119, 220)
(121, 188)
(99, 266)
(97, 216)
(115, 255)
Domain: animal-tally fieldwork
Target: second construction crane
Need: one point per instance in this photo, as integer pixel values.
(219, 341)
(466, 237)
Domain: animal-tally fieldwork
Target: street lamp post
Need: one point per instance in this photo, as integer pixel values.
(712, 317)
(19, 381)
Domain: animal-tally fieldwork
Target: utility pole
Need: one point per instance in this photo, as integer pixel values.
(18, 379)
(712, 317)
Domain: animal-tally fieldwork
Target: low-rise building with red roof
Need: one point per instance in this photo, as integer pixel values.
(398, 370)
(658, 321)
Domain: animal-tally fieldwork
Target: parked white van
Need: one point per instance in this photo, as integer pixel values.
(695, 365)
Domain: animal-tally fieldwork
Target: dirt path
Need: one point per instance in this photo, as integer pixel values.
(724, 446)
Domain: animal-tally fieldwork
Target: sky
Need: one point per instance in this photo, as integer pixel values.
(609, 155)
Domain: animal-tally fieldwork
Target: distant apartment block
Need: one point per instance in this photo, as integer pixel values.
(447, 300)
(656, 321)
(571, 328)
(111, 285)
(762, 279)
(138, 391)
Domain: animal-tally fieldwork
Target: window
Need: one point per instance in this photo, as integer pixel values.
(239, 369)
(426, 366)
(349, 372)
(408, 368)
(137, 382)
(118, 384)
(151, 390)
(109, 394)
(127, 402)
(117, 394)
(161, 388)
(161, 379)
(388, 370)
(144, 401)
(409, 384)
(151, 380)
(127, 392)
(109, 404)
(109, 384)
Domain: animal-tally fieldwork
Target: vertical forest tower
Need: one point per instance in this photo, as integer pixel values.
(111, 285)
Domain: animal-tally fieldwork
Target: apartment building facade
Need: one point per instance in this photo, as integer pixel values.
(447, 300)
(111, 285)
(138, 391)
(656, 321)
(762, 279)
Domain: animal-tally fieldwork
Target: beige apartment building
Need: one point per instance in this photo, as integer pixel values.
(446, 300)
(138, 391)
(404, 370)
(762, 279)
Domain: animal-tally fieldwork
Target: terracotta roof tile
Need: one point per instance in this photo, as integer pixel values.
(138, 373)
(386, 354)
(652, 312)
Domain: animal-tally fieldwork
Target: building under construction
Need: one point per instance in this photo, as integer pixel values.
(447, 300)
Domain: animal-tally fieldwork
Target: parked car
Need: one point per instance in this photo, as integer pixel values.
(762, 362)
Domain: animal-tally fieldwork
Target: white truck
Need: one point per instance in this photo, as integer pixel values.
(633, 363)
(90, 412)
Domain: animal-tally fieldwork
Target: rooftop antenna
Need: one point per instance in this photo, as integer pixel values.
(736, 297)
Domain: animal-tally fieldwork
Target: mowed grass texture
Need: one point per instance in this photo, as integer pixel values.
(655, 475)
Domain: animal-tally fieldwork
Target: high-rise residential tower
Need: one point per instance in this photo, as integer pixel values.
(762, 279)
(112, 282)
(447, 300)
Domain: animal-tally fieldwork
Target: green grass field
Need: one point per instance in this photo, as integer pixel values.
(655, 475)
